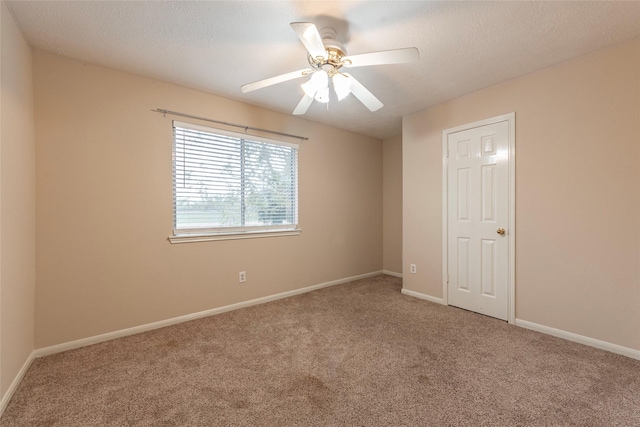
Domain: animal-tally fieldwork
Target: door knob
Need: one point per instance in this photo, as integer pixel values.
(501, 231)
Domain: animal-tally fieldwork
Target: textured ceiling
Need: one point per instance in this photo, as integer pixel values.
(217, 46)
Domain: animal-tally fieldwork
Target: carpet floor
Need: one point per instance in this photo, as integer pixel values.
(358, 354)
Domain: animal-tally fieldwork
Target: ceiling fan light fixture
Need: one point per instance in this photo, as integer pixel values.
(309, 88)
(341, 85)
(323, 95)
(318, 81)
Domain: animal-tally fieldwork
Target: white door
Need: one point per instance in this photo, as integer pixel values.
(478, 219)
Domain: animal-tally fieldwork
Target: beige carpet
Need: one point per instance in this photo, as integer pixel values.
(359, 354)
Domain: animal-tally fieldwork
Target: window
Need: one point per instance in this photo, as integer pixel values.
(230, 185)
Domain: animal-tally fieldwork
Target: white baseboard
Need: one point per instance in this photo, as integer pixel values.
(16, 382)
(423, 296)
(392, 273)
(581, 339)
(45, 351)
(602, 345)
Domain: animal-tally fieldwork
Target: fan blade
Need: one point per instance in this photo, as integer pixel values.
(363, 94)
(310, 38)
(396, 56)
(303, 106)
(274, 80)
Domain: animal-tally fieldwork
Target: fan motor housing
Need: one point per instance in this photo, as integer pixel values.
(335, 51)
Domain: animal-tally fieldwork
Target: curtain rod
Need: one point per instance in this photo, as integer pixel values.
(175, 113)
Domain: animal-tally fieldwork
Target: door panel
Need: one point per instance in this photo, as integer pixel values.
(488, 267)
(463, 194)
(488, 193)
(463, 264)
(478, 205)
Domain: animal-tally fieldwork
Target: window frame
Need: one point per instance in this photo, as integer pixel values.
(200, 234)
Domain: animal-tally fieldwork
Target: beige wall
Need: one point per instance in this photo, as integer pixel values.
(392, 204)
(104, 206)
(577, 192)
(17, 203)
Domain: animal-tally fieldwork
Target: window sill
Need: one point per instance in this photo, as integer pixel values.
(194, 238)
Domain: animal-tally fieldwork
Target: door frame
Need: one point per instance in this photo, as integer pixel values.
(510, 118)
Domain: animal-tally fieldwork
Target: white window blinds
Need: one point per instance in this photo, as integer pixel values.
(226, 182)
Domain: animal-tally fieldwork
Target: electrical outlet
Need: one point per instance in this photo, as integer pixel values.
(242, 276)
(412, 268)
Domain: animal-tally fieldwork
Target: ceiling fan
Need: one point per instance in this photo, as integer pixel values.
(327, 57)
